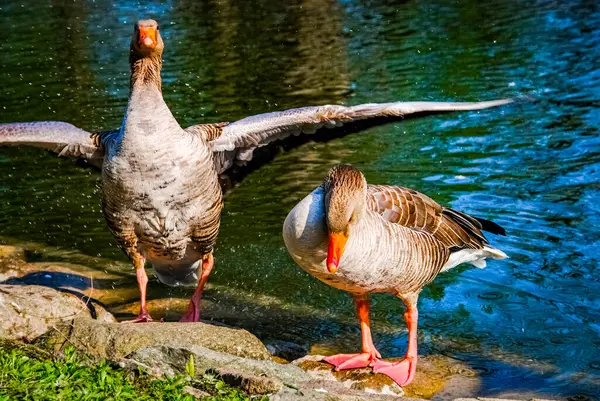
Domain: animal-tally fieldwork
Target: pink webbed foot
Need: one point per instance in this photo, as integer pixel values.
(351, 361)
(143, 317)
(402, 372)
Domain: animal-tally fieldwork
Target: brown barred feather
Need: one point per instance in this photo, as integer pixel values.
(209, 132)
(454, 229)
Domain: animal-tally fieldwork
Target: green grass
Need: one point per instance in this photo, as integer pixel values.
(29, 376)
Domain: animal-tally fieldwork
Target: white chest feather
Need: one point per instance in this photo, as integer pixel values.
(305, 232)
(373, 260)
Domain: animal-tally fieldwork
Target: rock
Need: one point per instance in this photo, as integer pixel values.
(119, 340)
(12, 263)
(30, 350)
(28, 311)
(325, 390)
(356, 379)
(197, 393)
(100, 279)
(286, 350)
(251, 384)
(437, 377)
(172, 359)
(284, 382)
(436, 373)
(496, 399)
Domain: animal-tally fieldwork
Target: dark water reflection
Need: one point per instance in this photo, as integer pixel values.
(531, 322)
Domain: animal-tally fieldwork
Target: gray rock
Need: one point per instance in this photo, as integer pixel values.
(251, 384)
(283, 381)
(28, 311)
(197, 393)
(325, 390)
(286, 349)
(119, 340)
(362, 380)
(172, 359)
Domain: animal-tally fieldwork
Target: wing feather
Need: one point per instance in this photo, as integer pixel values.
(61, 138)
(414, 210)
(238, 140)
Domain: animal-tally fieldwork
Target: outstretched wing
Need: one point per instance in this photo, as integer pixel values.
(59, 137)
(237, 141)
(414, 210)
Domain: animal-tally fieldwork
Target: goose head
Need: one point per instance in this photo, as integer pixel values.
(345, 203)
(146, 40)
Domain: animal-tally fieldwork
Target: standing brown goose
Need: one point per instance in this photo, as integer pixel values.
(160, 183)
(376, 238)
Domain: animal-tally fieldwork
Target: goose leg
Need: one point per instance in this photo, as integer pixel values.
(142, 279)
(193, 312)
(403, 372)
(369, 353)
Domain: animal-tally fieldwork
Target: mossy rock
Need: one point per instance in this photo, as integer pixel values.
(30, 350)
(116, 341)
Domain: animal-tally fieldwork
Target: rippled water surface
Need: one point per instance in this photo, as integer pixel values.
(531, 322)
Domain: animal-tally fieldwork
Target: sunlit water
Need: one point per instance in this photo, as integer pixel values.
(529, 322)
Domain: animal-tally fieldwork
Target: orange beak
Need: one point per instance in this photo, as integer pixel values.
(147, 37)
(337, 243)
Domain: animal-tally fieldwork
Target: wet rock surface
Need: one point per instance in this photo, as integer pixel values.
(286, 350)
(355, 379)
(12, 262)
(27, 312)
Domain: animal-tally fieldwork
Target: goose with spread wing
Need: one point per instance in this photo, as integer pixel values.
(365, 239)
(161, 194)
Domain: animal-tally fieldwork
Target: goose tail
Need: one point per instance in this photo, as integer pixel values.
(494, 253)
(476, 257)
